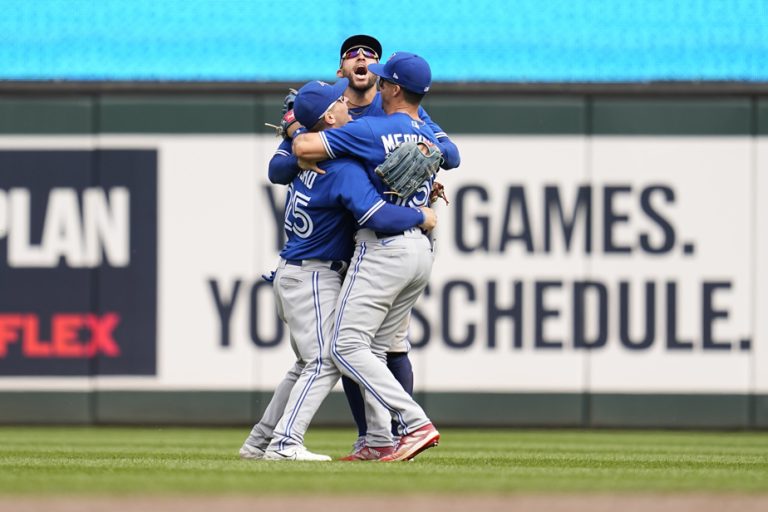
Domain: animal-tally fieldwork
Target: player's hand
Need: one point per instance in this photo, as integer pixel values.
(430, 219)
(309, 165)
(425, 145)
(288, 125)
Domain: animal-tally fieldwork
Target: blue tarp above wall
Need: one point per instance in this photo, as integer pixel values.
(464, 40)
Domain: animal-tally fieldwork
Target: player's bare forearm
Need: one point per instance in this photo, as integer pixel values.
(309, 146)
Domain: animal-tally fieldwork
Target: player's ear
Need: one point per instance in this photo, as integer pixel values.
(339, 74)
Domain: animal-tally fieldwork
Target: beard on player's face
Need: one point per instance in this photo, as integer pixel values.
(366, 87)
(353, 73)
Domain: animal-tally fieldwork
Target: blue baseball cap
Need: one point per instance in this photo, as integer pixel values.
(407, 70)
(314, 98)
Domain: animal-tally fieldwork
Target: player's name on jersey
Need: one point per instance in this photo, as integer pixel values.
(392, 140)
(308, 178)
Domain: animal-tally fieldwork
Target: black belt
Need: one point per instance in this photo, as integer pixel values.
(381, 234)
(336, 266)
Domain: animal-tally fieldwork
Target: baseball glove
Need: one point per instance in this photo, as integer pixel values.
(286, 112)
(407, 167)
(288, 101)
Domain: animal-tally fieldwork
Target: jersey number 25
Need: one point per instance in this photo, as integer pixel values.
(297, 220)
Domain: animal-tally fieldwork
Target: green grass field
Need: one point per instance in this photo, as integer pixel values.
(54, 461)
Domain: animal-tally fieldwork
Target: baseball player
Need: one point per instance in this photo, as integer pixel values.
(389, 270)
(356, 54)
(321, 213)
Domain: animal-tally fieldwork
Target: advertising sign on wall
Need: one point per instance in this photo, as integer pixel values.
(574, 264)
(78, 265)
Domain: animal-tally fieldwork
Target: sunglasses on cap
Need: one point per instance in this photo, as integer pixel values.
(355, 52)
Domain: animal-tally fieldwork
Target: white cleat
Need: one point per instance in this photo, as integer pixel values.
(249, 452)
(298, 453)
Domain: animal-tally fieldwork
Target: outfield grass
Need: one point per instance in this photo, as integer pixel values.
(48, 460)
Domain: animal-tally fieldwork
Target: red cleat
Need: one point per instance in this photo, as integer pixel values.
(369, 453)
(412, 444)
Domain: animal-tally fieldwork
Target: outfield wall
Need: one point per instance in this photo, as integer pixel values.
(602, 262)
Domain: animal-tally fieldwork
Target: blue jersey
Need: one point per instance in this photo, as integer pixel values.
(283, 166)
(376, 109)
(322, 212)
(370, 139)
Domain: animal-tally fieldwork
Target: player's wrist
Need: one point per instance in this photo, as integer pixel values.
(288, 125)
(423, 215)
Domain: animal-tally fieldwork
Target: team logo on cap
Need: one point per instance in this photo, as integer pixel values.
(394, 75)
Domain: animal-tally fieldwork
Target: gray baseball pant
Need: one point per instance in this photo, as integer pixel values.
(386, 277)
(306, 300)
(377, 297)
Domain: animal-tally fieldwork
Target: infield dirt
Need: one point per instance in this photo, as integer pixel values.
(437, 503)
